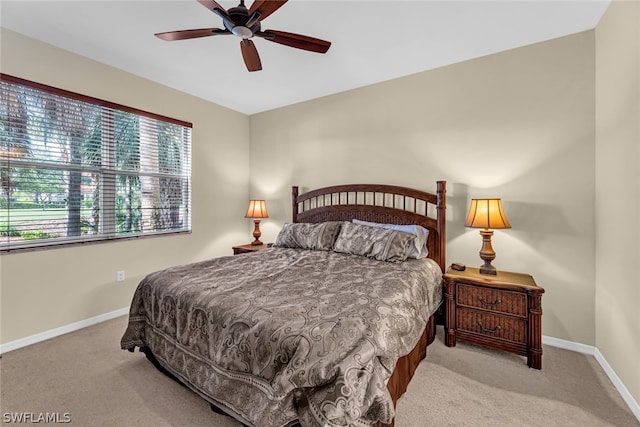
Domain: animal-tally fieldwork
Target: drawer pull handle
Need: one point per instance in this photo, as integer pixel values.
(491, 331)
(487, 303)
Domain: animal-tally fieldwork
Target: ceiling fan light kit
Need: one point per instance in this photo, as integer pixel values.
(246, 24)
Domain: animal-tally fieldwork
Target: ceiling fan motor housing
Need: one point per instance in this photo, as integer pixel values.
(240, 16)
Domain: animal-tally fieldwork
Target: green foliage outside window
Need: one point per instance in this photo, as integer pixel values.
(73, 170)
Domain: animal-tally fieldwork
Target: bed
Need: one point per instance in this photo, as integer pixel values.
(326, 328)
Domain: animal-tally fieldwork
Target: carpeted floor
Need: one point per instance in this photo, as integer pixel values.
(86, 377)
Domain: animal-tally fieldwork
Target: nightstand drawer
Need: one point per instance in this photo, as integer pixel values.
(492, 325)
(514, 303)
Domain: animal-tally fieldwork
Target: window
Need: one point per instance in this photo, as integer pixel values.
(75, 169)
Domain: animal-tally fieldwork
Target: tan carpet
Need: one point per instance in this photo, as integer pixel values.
(86, 375)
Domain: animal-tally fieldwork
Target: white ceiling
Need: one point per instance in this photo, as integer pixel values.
(372, 41)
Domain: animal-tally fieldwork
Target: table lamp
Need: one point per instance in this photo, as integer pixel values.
(257, 210)
(487, 214)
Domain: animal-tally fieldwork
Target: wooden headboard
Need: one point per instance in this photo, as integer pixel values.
(388, 204)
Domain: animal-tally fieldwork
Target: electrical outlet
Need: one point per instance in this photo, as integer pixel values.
(120, 276)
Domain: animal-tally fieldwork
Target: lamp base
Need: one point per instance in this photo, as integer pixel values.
(256, 233)
(484, 269)
(487, 253)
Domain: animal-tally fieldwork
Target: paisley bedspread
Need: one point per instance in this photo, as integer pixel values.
(285, 334)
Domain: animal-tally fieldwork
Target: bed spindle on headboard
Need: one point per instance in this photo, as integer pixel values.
(294, 203)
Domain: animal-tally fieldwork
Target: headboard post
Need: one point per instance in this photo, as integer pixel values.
(441, 222)
(294, 203)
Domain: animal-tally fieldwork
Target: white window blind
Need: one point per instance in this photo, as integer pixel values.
(75, 169)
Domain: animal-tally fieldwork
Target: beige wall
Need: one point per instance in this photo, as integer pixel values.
(48, 289)
(517, 125)
(618, 191)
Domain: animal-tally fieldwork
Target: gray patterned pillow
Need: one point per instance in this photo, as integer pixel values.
(419, 249)
(308, 236)
(373, 242)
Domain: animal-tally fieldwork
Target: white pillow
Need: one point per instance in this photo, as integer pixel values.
(419, 249)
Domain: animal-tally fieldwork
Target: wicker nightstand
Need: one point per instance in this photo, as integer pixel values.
(502, 311)
(245, 249)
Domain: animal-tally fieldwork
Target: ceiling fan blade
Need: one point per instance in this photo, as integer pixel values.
(213, 6)
(250, 55)
(295, 40)
(265, 7)
(191, 34)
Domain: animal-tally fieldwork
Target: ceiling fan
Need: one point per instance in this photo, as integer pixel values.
(246, 23)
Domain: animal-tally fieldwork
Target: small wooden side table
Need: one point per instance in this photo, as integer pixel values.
(245, 249)
(502, 311)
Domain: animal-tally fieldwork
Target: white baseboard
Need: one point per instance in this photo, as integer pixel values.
(569, 345)
(23, 342)
(593, 351)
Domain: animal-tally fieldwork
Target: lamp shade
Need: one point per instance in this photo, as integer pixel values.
(257, 209)
(486, 213)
